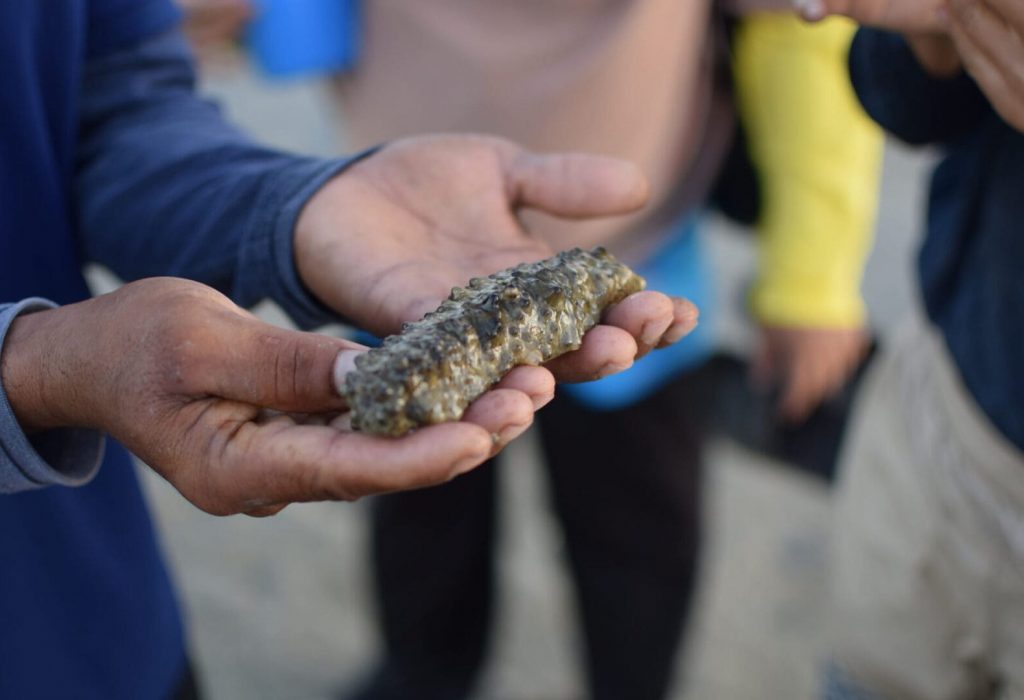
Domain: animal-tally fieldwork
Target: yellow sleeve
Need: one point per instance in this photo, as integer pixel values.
(819, 159)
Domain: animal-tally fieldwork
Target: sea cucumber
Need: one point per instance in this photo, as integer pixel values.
(525, 315)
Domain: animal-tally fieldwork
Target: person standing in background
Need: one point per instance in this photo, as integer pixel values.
(649, 81)
(641, 80)
(928, 577)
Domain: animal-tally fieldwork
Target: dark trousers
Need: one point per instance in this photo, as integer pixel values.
(627, 490)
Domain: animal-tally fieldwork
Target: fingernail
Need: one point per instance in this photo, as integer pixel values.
(511, 432)
(688, 311)
(942, 17)
(612, 368)
(540, 402)
(345, 363)
(677, 332)
(810, 10)
(650, 334)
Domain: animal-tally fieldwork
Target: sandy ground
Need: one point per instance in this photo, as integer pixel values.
(279, 608)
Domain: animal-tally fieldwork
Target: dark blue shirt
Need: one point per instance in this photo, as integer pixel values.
(971, 264)
(107, 155)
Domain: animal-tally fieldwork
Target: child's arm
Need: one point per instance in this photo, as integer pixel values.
(818, 156)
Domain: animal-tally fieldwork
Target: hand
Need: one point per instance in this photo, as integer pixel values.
(897, 15)
(212, 24)
(238, 415)
(808, 365)
(936, 53)
(384, 242)
(989, 36)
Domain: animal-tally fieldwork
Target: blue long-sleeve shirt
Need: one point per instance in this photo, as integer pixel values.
(971, 264)
(106, 154)
(207, 204)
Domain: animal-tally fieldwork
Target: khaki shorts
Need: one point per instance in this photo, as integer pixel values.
(928, 588)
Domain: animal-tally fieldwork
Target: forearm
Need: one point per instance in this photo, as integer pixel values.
(818, 156)
(164, 186)
(33, 452)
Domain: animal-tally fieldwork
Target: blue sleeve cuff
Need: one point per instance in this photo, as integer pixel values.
(63, 456)
(267, 264)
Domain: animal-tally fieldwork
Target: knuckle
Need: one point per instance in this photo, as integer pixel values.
(184, 353)
(348, 496)
(340, 489)
(281, 362)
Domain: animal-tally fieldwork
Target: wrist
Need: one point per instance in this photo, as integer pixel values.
(319, 252)
(936, 53)
(35, 372)
(315, 242)
(310, 246)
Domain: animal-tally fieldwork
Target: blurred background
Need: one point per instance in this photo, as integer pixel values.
(282, 608)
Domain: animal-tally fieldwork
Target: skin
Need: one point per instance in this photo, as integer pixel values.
(427, 213)
(806, 365)
(243, 417)
(989, 38)
(917, 16)
(809, 364)
(983, 37)
(210, 24)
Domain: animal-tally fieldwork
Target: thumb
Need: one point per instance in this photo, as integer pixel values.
(813, 10)
(576, 185)
(263, 365)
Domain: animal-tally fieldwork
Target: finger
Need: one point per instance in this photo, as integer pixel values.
(647, 316)
(985, 34)
(897, 15)
(1012, 12)
(685, 316)
(605, 350)
(763, 365)
(504, 413)
(852, 355)
(265, 511)
(848, 355)
(863, 346)
(1007, 99)
(797, 392)
(253, 362)
(817, 10)
(536, 382)
(576, 185)
(807, 377)
(255, 467)
(821, 363)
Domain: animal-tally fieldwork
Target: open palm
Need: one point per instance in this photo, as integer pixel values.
(387, 240)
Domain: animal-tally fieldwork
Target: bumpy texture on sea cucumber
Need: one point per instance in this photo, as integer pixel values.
(525, 315)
